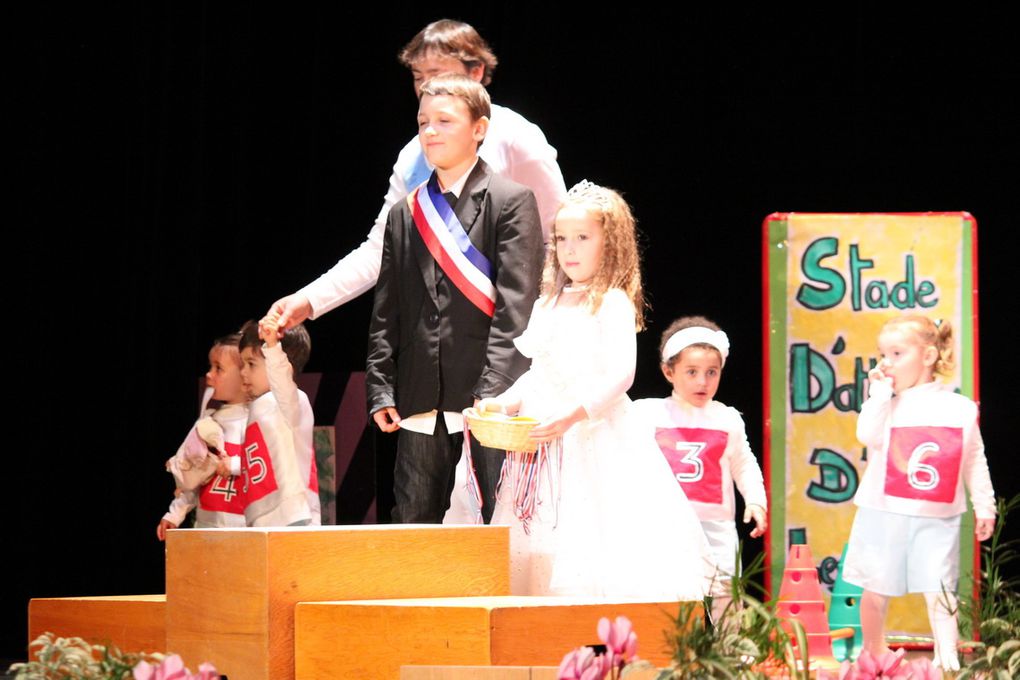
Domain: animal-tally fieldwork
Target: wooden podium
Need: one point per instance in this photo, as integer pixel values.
(231, 592)
(345, 602)
(375, 638)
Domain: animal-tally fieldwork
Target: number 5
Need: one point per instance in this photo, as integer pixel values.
(254, 461)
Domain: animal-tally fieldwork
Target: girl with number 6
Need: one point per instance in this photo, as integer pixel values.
(923, 446)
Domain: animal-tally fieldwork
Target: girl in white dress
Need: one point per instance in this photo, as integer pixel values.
(596, 511)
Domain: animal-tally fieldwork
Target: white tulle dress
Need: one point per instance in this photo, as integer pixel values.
(609, 519)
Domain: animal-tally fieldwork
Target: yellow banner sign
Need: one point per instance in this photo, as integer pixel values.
(831, 282)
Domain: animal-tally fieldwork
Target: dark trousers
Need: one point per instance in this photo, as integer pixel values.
(424, 472)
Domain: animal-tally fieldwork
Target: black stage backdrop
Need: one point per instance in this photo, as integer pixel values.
(187, 163)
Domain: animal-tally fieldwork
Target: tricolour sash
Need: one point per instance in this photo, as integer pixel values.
(444, 236)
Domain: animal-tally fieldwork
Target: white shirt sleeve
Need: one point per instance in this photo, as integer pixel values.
(874, 415)
(533, 163)
(282, 385)
(180, 507)
(356, 272)
(744, 466)
(976, 475)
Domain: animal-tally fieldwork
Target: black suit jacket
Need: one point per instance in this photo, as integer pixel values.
(429, 347)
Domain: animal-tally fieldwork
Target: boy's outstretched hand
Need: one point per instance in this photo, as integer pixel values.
(983, 528)
(761, 522)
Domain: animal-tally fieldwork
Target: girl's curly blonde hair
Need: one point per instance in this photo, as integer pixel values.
(620, 266)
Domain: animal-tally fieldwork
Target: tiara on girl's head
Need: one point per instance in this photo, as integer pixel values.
(589, 192)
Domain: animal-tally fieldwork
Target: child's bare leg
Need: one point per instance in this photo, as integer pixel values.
(719, 604)
(873, 611)
(942, 616)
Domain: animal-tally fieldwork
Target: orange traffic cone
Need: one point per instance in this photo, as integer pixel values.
(800, 599)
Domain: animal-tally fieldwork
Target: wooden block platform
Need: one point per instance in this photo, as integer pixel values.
(231, 592)
(373, 639)
(134, 623)
(478, 673)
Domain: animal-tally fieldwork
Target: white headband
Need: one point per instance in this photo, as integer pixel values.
(694, 335)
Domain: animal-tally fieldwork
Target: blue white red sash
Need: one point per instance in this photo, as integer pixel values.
(448, 242)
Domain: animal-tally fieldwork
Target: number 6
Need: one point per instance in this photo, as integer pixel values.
(915, 468)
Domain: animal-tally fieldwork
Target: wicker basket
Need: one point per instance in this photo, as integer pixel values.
(498, 431)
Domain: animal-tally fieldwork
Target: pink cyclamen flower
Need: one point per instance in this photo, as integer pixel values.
(924, 669)
(619, 637)
(172, 668)
(582, 664)
(870, 667)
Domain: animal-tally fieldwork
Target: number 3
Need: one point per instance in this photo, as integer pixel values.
(693, 450)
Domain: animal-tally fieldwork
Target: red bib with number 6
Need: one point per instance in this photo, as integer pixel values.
(923, 463)
(694, 455)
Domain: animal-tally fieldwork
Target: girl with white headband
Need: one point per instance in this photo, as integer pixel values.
(704, 442)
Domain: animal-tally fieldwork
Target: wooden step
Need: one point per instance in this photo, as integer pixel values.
(373, 639)
(478, 673)
(134, 623)
(231, 592)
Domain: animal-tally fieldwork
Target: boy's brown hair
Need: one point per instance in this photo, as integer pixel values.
(296, 343)
(455, 39)
(456, 85)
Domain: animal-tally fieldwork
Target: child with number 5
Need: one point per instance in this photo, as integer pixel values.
(923, 446)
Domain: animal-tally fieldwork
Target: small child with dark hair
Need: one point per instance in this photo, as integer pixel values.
(280, 480)
(705, 442)
(217, 434)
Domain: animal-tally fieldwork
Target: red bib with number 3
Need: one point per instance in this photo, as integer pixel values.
(222, 495)
(259, 480)
(923, 463)
(694, 455)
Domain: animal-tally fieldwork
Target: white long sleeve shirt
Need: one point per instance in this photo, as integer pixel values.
(708, 451)
(924, 445)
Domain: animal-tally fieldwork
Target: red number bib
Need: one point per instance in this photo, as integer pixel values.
(923, 463)
(256, 465)
(694, 455)
(223, 495)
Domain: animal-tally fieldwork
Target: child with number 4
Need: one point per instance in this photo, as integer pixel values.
(923, 447)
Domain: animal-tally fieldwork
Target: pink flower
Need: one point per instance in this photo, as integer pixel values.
(619, 638)
(924, 669)
(172, 668)
(870, 667)
(582, 664)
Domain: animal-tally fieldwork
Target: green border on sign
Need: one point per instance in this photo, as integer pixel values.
(778, 371)
(967, 348)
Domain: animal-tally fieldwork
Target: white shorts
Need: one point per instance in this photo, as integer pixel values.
(892, 554)
(722, 542)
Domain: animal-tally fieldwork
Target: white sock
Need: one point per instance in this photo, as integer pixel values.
(942, 617)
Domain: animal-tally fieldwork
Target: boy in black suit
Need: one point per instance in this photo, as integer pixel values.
(461, 264)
